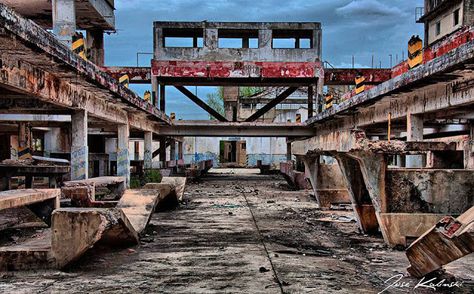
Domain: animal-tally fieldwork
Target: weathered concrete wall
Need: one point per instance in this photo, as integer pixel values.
(429, 191)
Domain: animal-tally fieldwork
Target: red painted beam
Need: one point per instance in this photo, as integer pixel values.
(137, 75)
(346, 76)
(229, 70)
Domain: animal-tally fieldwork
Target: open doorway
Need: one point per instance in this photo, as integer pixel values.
(233, 153)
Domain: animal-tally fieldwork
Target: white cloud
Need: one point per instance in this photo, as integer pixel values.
(369, 8)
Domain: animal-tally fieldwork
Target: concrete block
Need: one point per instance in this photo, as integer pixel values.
(328, 197)
(16, 198)
(76, 230)
(449, 240)
(401, 227)
(178, 184)
(84, 196)
(138, 206)
(168, 197)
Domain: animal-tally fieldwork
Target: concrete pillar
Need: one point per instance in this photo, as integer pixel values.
(52, 141)
(123, 160)
(231, 97)
(162, 97)
(163, 152)
(288, 150)
(311, 165)
(469, 148)
(24, 135)
(64, 20)
(265, 39)
(172, 149)
(310, 101)
(414, 133)
(95, 45)
(79, 146)
(148, 153)
(180, 150)
(154, 91)
(211, 38)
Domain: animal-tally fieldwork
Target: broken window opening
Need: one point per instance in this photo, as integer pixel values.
(438, 28)
(232, 38)
(292, 39)
(456, 17)
(183, 38)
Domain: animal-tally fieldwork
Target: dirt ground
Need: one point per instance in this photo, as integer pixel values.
(242, 233)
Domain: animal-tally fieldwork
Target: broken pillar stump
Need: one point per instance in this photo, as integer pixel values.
(448, 240)
(76, 230)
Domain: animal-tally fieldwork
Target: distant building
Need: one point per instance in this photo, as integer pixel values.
(443, 17)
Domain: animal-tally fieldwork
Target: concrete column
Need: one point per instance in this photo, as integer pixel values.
(180, 150)
(123, 160)
(265, 39)
(469, 149)
(52, 140)
(172, 149)
(288, 150)
(311, 165)
(148, 154)
(64, 20)
(162, 97)
(211, 39)
(154, 91)
(95, 44)
(310, 101)
(79, 146)
(163, 152)
(414, 133)
(24, 135)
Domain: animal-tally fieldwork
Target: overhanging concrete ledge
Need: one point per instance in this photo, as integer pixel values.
(48, 66)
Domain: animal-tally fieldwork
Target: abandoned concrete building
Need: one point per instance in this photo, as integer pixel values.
(320, 180)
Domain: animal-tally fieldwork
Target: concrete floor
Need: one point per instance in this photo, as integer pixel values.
(240, 233)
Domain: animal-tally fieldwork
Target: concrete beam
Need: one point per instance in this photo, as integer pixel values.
(17, 198)
(218, 129)
(346, 76)
(46, 66)
(89, 14)
(356, 140)
(424, 87)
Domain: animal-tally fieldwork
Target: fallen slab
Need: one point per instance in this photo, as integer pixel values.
(168, 196)
(22, 197)
(76, 230)
(449, 240)
(138, 207)
(178, 183)
(41, 202)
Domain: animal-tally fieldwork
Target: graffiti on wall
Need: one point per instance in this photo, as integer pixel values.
(123, 163)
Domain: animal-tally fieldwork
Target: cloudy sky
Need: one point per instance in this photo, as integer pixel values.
(359, 28)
